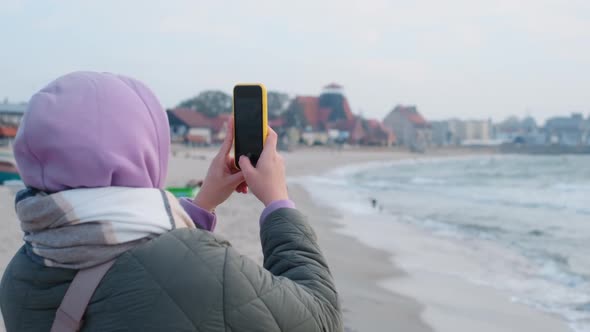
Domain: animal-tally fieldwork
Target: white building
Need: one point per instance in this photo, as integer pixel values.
(474, 130)
(457, 132)
(11, 114)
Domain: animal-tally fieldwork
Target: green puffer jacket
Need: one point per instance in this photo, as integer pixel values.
(190, 280)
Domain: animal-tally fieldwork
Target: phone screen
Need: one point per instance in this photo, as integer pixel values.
(248, 122)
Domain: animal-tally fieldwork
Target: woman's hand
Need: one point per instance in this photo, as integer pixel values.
(222, 178)
(266, 180)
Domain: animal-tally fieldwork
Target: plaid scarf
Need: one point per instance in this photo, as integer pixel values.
(81, 228)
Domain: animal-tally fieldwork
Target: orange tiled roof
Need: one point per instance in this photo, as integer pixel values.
(378, 132)
(347, 110)
(276, 123)
(316, 115)
(196, 119)
(410, 113)
(219, 121)
(310, 107)
(191, 117)
(6, 131)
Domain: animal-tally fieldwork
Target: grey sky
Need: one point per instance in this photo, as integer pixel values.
(454, 58)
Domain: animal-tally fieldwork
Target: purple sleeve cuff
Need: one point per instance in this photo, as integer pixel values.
(273, 206)
(203, 219)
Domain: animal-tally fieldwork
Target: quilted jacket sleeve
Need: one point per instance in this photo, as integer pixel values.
(299, 292)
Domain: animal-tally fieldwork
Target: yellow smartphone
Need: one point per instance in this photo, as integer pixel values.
(250, 121)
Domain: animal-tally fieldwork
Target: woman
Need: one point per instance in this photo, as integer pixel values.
(93, 151)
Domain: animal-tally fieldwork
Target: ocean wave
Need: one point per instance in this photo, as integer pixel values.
(482, 210)
(423, 180)
(556, 267)
(350, 170)
(583, 306)
(460, 230)
(536, 232)
(571, 188)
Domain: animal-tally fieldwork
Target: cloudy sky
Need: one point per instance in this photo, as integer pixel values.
(452, 58)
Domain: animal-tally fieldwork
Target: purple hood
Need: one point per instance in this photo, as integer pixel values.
(87, 130)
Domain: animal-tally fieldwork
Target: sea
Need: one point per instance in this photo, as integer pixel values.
(522, 222)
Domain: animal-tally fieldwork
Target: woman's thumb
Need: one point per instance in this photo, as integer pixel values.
(246, 165)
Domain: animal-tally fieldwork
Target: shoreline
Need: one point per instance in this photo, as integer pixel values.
(439, 302)
(357, 270)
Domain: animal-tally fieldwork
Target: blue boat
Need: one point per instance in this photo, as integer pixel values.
(8, 170)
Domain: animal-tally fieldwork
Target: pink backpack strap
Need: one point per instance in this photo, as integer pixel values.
(68, 317)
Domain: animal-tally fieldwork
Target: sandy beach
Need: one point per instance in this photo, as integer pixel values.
(365, 276)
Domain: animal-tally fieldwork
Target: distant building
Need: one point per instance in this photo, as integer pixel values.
(532, 134)
(190, 126)
(377, 134)
(360, 131)
(508, 130)
(315, 138)
(328, 119)
(567, 131)
(410, 127)
(586, 130)
(462, 132)
(7, 132)
(529, 125)
(516, 131)
(347, 131)
(314, 113)
(11, 114)
(304, 115)
(442, 135)
(10, 119)
(475, 132)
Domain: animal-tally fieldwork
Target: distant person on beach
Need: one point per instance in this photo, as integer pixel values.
(93, 152)
(375, 204)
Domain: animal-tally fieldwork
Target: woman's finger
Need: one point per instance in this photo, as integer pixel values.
(228, 140)
(243, 187)
(270, 145)
(271, 139)
(246, 165)
(231, 165)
